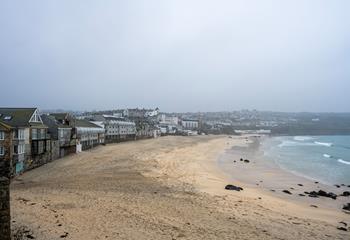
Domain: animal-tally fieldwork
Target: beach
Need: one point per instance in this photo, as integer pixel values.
(171, 188)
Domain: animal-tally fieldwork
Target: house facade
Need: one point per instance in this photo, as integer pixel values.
(190, 124)
(62, 130)
(118, 130)
(5, 150)
(28, 142)
(88, 134)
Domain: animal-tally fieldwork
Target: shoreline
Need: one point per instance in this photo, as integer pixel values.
(267, 178)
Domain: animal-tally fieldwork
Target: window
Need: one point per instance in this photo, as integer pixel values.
(38, 147)
(34, 133)
(41, 147)
(20, 133)
(35, 147)
(48, 147)
(42, 133)
(2, 151)
(2, 135)
(19, 149)
(61, 133)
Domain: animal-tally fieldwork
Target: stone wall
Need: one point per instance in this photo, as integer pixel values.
(55, 149)
(5, 217)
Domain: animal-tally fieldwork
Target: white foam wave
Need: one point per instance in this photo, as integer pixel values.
(293, 144)
(324, 144)
(342, 161)
(327, 155)
(302, 138)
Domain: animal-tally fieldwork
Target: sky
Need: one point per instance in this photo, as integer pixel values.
(178, 55)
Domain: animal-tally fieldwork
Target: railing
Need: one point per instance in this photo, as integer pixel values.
(67, 142)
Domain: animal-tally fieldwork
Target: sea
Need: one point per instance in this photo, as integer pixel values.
(320, 158)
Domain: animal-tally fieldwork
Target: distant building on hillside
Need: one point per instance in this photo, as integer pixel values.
(152, 113)
(121, 113)
(142, 113)
(168, 124)
(190, 124)
(168, 120)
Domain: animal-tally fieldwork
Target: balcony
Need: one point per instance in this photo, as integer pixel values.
(67, 142)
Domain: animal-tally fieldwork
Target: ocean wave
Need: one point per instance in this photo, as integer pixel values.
(327, 155)
(288, 143)
(324, 144)
(342, 161)
(302, 138)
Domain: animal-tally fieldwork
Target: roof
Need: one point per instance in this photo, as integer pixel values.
(4, 126)
(51, 121)
(18, 117)
(85, 123)
(59, 116)
(190, 120)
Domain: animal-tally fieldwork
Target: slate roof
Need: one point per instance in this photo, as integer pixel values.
(52, 122)
(85, 123)
(4, 126)
(19, 116)
(59, 116)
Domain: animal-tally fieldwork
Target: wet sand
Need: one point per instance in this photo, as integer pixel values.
(166, 188)
(266, 176)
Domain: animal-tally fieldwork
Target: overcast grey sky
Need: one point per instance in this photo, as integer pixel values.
(177, 55)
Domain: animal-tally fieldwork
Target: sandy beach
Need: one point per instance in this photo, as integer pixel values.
(170, 188)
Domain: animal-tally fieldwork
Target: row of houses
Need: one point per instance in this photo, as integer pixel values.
(29, 139)
(176, 125)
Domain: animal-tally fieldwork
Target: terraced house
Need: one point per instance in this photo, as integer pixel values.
(62, 131)
(89, 135)
(25, 143)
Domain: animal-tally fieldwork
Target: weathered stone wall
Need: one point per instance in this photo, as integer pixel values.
(55, 149)
(5, 217)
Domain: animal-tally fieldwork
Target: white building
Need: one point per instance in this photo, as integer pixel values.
(88, 134)
(118, 130)
(190, 124)
(168, 120)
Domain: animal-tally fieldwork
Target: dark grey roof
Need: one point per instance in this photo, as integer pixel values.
(59, 116)
(17, 117)
(52, 122)
(85, 123)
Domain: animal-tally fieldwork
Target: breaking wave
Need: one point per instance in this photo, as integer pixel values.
(342, 161)
(302, 138)
(293, 143)
(327, 155)
(324, 144)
